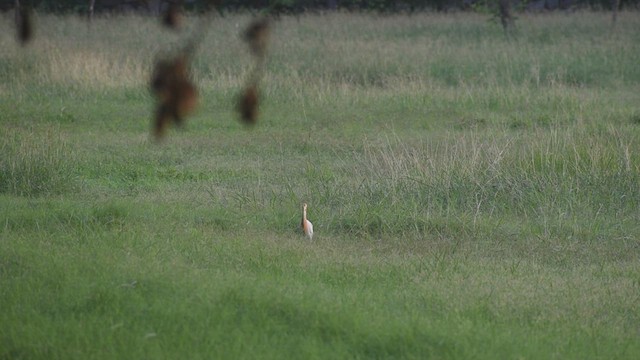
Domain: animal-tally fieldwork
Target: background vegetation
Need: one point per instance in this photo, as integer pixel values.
(82, 6)
(473, 195)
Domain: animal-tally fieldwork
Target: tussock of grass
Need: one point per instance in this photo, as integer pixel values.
(35, 164)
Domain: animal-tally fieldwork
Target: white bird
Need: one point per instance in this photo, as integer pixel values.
(307, 226)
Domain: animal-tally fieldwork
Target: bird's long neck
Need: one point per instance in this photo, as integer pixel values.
(304, 216)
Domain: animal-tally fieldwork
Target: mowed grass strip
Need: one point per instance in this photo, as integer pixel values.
(472, 196)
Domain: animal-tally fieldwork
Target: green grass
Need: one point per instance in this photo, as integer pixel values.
(473, 196)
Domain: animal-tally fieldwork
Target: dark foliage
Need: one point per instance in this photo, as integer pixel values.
(177, 96)
(296, 6)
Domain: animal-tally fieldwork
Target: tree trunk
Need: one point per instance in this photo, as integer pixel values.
(17, 12)
(506, 18)
(614, 17)
(92, 4)
(24, 24)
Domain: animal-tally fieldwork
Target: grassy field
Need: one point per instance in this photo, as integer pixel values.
(473, 196)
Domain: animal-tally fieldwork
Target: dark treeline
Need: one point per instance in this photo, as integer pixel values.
(296, 6)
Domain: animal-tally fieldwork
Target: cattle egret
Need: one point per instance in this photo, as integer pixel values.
(307, 226)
